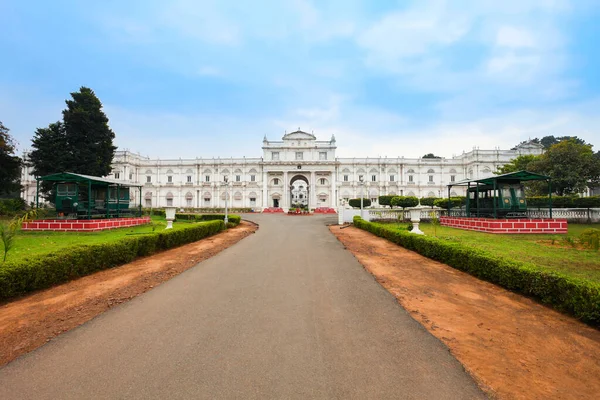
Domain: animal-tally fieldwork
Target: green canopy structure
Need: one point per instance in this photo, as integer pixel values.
(500, 194)
(90, 196)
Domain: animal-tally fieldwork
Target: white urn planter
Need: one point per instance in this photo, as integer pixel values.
(170, 216)
(415, 218)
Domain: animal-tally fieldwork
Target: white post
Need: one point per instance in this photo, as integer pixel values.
(225, 182)
(361, 183)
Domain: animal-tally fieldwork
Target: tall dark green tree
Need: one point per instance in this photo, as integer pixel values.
(50, 152)
(89, 138)
(10, 164)
(82, 142)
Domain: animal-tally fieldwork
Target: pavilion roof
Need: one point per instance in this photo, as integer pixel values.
(516, 176)
(73, 177)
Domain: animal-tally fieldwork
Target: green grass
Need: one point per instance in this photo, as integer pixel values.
(29, 244)
(536, 249)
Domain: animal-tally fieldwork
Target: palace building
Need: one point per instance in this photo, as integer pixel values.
(298, 170)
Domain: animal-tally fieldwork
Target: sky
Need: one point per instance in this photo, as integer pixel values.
(184, 78)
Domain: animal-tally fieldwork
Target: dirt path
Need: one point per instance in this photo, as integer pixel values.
(515, 347)
(31, 321)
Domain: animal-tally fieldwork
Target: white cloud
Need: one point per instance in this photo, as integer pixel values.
(510, 36)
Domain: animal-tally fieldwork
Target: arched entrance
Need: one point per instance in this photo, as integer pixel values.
(299, 192)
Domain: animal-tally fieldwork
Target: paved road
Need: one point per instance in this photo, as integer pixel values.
(285, 314)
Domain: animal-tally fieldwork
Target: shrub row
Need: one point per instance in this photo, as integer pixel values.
(27, 275)
(234, 219)
(577, 297)
(161, 211)
(564, 201)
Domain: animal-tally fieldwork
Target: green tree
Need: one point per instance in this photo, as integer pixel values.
(50, 153)
(89, 138)
(82, 142)
(10, 164)
(430, 155)
(521, 163)
(572, 166)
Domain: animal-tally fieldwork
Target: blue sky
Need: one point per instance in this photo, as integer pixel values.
(185, 78)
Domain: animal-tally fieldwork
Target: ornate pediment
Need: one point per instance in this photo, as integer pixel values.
(299, 135)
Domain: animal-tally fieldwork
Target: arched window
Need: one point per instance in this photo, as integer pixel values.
(410, 171)
(189, 197)
(430, 171)
(169, 198)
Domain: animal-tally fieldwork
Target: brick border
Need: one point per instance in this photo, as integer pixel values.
(519, 225)
(83, 225)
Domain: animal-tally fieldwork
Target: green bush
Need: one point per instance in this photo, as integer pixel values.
(40, 272)
(577, 297)
(12, 206)
(428, 201)
(455, 202)
(356, 202)
(590, 238)
(385, 200)
(234, 219)
(405, 201)
(564, 201)
(587, 202)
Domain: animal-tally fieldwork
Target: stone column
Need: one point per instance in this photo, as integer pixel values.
(285, 203)
(264, 201)
(333, 197)
(313, 191)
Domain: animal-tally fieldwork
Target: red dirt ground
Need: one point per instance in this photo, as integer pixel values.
(31, 321)
(514, 347)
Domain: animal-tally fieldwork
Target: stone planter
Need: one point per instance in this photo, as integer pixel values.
(170, 216)
(415, 218)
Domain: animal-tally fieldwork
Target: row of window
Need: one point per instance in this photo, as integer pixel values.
(393, 178)
(299, 156)
(238, 178)
(188, 202)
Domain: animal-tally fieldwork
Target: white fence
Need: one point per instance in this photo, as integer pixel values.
(581, 215)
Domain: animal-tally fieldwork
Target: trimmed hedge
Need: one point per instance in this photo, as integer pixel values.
(428, 201)
(356, 202)
(234, 219)
(577, 297)
(24, 276)
(385, 200)
(564, 201)
(405, 201)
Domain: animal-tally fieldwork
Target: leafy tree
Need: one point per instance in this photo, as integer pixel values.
(572, 166)
(430, 155)
(81, 143)
(10, 165)
(521, 163)
(50, 153)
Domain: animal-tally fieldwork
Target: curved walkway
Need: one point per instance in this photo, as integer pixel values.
(285, 314)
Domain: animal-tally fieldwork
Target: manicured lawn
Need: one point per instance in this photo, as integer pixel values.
(36, 243)
(553, 252)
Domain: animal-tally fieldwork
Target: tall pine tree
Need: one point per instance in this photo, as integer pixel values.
(81, 143)
(89, 139)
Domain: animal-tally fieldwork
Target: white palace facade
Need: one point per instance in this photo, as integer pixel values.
(297, 170)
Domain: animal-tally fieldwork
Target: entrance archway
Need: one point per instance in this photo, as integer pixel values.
(299, 192)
